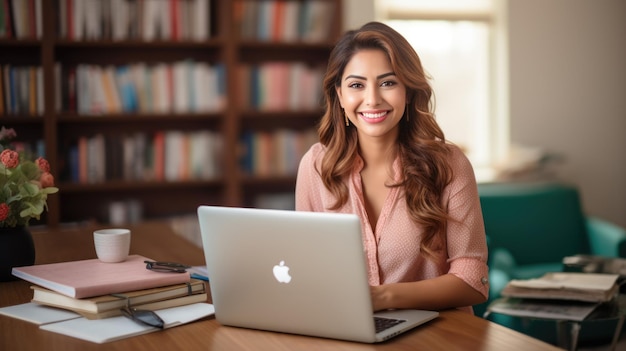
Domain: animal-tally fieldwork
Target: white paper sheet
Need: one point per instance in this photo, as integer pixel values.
(116, 328)
(38, 314)
(102, 330)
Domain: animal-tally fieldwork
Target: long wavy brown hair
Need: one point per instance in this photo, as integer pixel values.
(422, 146)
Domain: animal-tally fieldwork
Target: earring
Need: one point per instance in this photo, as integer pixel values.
(346, 117)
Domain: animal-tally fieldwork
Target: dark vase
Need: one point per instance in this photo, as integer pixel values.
(16, 249)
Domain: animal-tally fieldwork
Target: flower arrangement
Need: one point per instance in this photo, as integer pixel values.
(24, 184)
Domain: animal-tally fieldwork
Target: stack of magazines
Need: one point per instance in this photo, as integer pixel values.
(557, 295)
(590, 287)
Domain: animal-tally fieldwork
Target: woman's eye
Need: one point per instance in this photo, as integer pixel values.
(388, 83)
(355, 85)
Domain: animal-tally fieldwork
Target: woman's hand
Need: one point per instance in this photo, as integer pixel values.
(446, 291)
(380, 298)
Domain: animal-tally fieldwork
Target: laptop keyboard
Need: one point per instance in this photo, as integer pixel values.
(386, 323)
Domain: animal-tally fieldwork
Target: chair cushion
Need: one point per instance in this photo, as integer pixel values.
(536, 222)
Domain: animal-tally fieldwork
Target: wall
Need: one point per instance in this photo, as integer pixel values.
(567, 61)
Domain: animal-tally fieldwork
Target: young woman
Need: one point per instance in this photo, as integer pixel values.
(383, 157)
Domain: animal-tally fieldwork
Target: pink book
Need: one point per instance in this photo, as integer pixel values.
(88, 278)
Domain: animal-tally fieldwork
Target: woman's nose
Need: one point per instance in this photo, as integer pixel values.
(372, 96)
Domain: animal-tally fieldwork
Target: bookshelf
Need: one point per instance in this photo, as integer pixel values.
(263, 88)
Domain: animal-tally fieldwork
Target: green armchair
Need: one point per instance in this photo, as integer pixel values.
(531, 227)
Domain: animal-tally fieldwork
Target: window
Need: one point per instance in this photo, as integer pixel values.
(459, 44)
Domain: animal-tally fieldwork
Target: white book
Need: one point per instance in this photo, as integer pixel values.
(203, 87)
(174, 155)
(164, 19)
(198, 148)
(149, 18)
(96, 91)
(119, 19)
(181, 91)
(201, 19)
(291, 17)
(160, 95)
(92, 18)
(296, 73)
(157, 24)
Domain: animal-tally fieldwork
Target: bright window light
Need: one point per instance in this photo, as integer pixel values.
(455, 41)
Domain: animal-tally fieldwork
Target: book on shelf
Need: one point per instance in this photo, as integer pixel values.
(105, 306)
(123, 20)
(590, 287)
(89, 278)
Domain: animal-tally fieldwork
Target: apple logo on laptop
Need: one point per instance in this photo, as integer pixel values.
(281, 272)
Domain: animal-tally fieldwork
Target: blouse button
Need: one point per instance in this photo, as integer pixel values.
(484, 280)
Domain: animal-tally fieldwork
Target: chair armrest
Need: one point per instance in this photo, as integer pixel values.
(605, 238)
(501, 266)
(498, 279)
(503, 260)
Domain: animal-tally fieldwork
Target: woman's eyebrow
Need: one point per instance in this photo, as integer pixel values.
(378, 77)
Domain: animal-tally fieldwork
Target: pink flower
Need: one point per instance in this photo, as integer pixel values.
(46, 179)
(4, 211)
(43, 164)
(10, 158)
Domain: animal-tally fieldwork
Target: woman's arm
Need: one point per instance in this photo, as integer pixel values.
(443, 292)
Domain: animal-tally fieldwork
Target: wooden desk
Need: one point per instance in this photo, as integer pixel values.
(453, 330)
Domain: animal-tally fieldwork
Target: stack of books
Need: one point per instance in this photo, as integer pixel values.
(557, 295)
(99, 290)
(589, 287)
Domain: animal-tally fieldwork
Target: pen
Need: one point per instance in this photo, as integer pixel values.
(199, 276)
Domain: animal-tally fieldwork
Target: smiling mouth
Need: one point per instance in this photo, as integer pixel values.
(373, 115)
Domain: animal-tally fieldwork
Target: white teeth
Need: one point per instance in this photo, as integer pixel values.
(374, 115)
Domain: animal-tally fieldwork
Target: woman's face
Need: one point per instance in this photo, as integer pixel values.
(372, 96)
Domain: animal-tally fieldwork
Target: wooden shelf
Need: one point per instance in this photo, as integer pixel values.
(59, 129)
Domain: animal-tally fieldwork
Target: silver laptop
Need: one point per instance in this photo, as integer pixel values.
(294, 272)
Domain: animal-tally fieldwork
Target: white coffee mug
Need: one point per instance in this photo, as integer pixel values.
(112, 245)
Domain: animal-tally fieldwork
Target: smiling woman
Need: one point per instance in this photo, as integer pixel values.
(383, 157)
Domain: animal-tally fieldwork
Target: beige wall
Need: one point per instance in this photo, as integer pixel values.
(567, 61)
